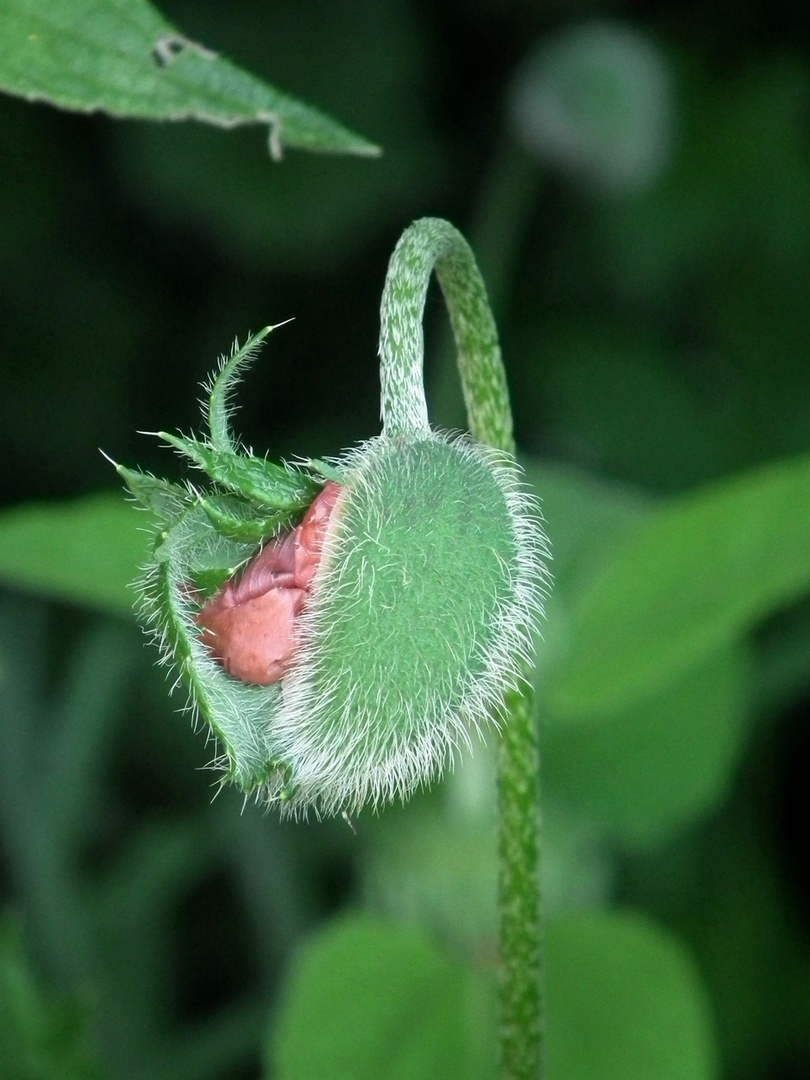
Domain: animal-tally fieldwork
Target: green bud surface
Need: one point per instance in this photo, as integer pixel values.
(420, 617)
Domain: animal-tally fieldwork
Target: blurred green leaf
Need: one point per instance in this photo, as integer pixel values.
(123, 57)
(660, 764)
(315, 212)
(625, 1002)
(586, 515)
(369, 1000)
(697, 574)
(662, 760)
(723, 889)
(86, 552)
(40, 1038)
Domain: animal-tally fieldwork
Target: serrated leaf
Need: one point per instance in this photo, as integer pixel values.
(695, 575)
(237, 520)
(87, 551)
(164, 499)
(220, 406)
(124, 58)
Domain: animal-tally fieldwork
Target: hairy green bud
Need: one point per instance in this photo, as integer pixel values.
(344, 627)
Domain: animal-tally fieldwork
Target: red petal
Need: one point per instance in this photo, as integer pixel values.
(255, 641)
(249, 625)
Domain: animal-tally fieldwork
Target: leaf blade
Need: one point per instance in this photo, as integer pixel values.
(625, 1002)
(696, 574)
(366, 999)
(661, 764)
(86, 551)
(123, 58)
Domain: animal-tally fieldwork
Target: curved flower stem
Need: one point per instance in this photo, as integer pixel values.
(434, 244)
(427, 245)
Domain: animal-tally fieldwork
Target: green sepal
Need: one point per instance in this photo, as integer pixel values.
(327, 471)
(237, 519)
(189, 554)
(221, 385)
(261, 482)
(208, 582)
(164, 499)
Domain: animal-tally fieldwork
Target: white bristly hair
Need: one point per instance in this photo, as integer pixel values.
(339, 759)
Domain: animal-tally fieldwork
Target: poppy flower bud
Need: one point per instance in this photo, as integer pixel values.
(344, 628)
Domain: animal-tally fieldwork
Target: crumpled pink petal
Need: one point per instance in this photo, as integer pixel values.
(249, 626)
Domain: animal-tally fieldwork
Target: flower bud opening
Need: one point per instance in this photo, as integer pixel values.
(250, 624)
(352, 655)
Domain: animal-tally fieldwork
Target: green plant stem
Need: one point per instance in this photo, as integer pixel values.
(427, 245)
(519, 895)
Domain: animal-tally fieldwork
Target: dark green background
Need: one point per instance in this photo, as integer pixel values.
(659, 339)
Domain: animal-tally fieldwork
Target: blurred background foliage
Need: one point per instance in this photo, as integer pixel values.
(636, 181)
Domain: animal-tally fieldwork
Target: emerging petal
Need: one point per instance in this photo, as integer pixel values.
(250, 625)
(255, 640)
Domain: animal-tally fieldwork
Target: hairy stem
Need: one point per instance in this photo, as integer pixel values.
(521, 927)
(427, 245)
